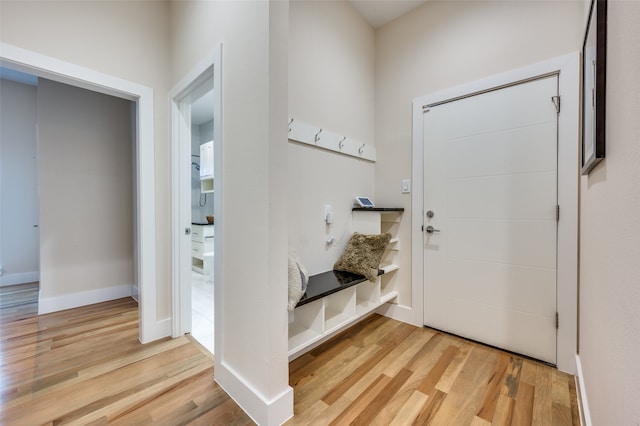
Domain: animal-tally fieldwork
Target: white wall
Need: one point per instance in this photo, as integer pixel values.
(331, 85)
(610, 238)
(129, 40)
(251, 324)
(19, 239)
(440, 45)
(86, 185)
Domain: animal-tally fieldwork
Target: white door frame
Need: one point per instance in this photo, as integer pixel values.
(210, 67)
(74, 75)
(568, 69)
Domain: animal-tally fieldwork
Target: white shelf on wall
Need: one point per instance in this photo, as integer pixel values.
(326, 139)
(389, 268)
(320, 316)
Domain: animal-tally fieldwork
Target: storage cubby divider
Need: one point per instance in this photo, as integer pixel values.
(339, 308)
(306, 324)
(367, 297)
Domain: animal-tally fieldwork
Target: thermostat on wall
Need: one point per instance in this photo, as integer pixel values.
(364, 202)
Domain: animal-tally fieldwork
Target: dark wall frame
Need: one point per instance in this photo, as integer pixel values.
(594, 64)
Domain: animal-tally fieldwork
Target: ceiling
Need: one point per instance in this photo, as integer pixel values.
(379, 12)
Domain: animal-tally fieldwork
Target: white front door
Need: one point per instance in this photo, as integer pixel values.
(490, 195)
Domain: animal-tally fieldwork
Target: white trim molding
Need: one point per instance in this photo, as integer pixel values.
(64, 72)
(19, 278)
(583, 405)
(82, 298)
(567, 68)
(262, 411)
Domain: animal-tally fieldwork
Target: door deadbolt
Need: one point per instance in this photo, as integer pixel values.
(430, 214)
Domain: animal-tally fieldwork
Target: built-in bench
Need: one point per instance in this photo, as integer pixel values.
(335, 300)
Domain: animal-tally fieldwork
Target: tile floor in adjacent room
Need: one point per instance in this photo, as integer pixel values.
(202, 310)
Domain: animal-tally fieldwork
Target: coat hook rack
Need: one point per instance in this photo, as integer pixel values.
(331, 141)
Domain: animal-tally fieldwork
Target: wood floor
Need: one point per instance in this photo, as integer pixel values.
(86, 366)
(382, 372)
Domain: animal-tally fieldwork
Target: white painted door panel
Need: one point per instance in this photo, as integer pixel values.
(491, 180)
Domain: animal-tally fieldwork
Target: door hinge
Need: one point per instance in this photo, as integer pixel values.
(556, 102)
(557, 321)
(422, 228)
(557, 213)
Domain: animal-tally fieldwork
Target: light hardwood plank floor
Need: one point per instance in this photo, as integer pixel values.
(383, 372)
(86, 366)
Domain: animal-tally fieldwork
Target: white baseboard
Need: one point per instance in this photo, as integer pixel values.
(401, 313)
(82, 298)
(159, 330)
(583, 405)
(20, 278)
(263, 412)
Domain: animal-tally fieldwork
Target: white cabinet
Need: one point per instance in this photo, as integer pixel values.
(202, 248)
(316, 321)
(206, 167)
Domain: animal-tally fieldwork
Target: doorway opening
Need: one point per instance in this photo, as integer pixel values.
(197, 177)
(150, 328)
(202, 219)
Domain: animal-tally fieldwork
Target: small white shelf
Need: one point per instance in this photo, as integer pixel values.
(389, 268)
(388, 297)
(206, 185)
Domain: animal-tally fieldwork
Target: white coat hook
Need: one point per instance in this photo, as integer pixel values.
(341, 143)
(361, 149)
(290, 122)
(316, 138)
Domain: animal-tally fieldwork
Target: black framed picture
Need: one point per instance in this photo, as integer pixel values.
(594, 64)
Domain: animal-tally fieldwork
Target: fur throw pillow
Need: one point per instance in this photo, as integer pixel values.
(298, 279)
(363, 254)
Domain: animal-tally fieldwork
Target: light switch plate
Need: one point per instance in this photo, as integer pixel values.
(406, 186)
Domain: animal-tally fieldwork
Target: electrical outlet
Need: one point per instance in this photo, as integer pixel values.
(406, 186)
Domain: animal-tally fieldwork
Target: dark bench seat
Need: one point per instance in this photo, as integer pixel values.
(330, 282)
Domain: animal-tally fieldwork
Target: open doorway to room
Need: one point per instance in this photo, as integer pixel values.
(68, 160)
(140, 117)
(19, 221)
(202, 220)
(196, 104)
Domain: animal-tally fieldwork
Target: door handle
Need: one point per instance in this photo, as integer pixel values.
(430, 229)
